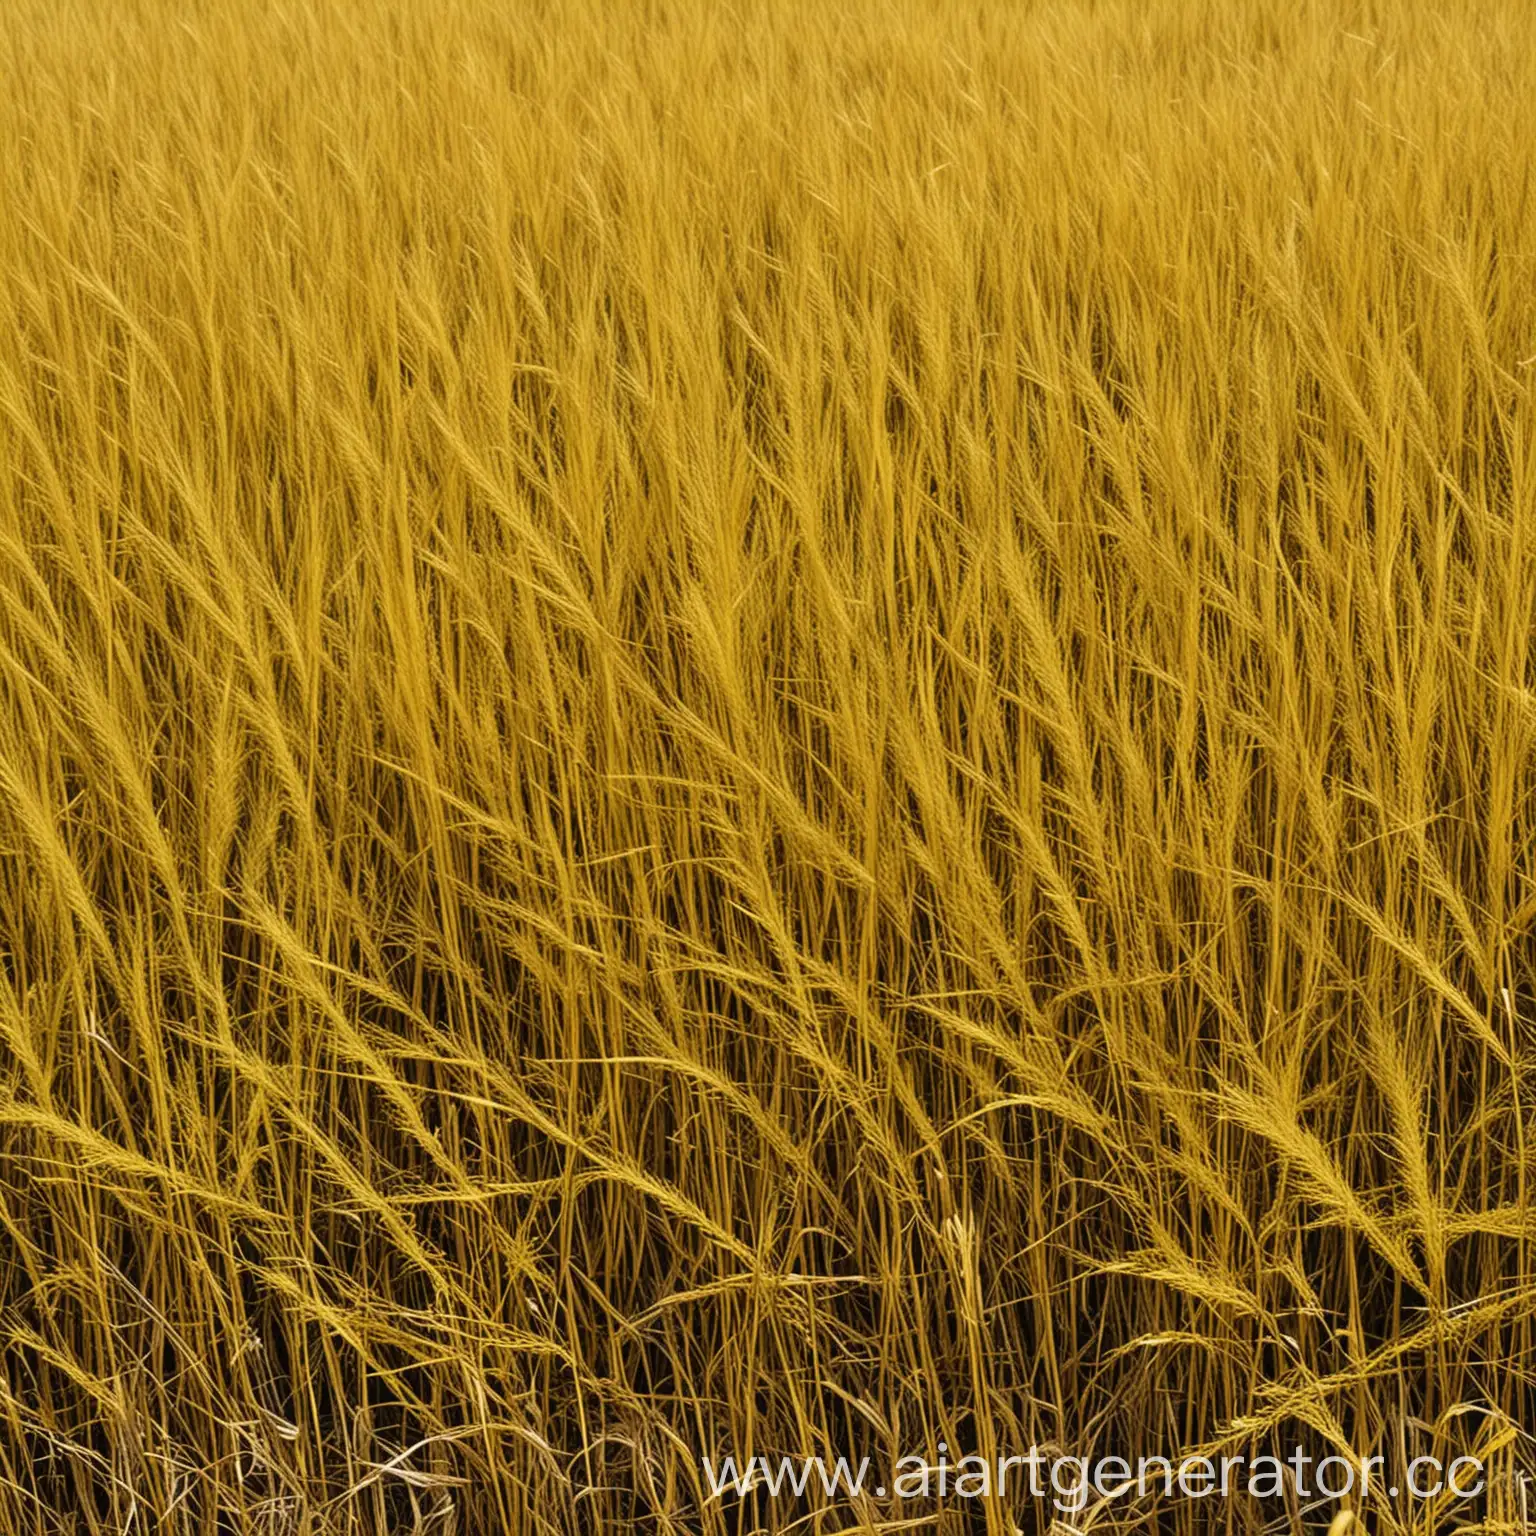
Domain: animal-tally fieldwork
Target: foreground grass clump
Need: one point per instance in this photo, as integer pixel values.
(805, 730)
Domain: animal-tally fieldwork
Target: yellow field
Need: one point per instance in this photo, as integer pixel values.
(801, 729)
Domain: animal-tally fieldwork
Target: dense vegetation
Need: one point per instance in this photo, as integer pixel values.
(800, 729)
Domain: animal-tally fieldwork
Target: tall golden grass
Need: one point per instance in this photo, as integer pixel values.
(804, 728)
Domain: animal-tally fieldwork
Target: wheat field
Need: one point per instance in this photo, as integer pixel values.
(795, 729)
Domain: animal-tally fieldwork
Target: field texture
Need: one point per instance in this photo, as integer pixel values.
(800, 729)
